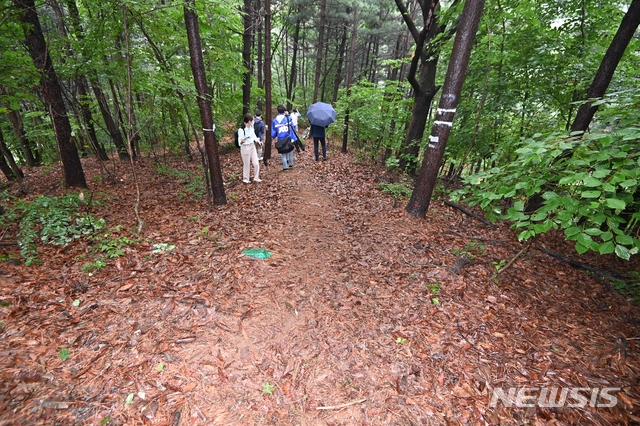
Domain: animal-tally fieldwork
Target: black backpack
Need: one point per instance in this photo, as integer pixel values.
(237, 138)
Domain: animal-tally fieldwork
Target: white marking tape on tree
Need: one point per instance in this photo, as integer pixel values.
(443, 123)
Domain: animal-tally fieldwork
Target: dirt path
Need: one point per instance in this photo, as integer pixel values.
(356, 319)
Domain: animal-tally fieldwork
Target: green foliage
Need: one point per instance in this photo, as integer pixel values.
(193, 182)
(50, 220)
(268, 388)
(64, 354)
(472, 249)
(629, 288)
(397, 190)
(592, 195)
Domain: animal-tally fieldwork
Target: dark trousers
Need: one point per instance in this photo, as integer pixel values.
(324, 147)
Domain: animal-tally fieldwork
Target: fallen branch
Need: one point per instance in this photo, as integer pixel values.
(470, 237)
(341, 406)
(605, 274)
(509, 263)
(467, 212)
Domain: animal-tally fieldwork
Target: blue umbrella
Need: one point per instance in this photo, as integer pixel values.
(321, 114)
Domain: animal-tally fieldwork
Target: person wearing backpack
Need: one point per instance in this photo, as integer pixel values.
(282, 128)
(258, 127)
(247, 138)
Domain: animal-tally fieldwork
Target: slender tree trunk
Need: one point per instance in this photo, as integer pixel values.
(352, 58)
(267, 81)
(608, 66)
(424, 64)
(259, 54)
(421, 197)
(87, 116)
(294, 62)
(323, 18)
(8, 165)
(204, 102)
(246, 57)
(71, 165)
(341, 51)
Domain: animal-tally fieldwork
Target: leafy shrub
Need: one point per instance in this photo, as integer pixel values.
(51, 220)
(591, 195)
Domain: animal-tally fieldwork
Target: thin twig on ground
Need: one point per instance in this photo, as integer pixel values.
(341, 406)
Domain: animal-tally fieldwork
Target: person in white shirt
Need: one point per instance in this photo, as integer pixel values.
(246, 138)
(294, 119)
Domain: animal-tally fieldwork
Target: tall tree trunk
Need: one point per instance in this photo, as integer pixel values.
(424, 64)
(605, 72)
(246, 57)
(421, 196)
(30, 152)
(204, 102)
(87, 116)
(103, 106)
(323, 18)
(259, 54)
(352, 59)
(341, 50)
(71, 165)
(294, 61)
(267, 81)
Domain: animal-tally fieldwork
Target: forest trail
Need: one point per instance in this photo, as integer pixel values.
(358, 318)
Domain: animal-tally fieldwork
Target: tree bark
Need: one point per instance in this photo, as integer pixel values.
(424, 64)
(608, 66)
(7, 164)
(323, 18)
(246, 57)
(267, 81)
(204, 102)
(341, 51)
(352, 58)
(421, 196)
(71, 165)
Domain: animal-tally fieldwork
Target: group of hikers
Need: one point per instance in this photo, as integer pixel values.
(284, 129)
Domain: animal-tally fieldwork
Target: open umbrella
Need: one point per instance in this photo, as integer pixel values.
(321, 114)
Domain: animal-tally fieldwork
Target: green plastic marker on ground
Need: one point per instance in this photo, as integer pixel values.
(258, 253)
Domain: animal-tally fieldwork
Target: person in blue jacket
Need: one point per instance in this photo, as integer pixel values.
(319, 136)
(282, 127)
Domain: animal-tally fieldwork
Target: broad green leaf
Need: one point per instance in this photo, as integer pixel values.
(590, 194)
(600, 173)
(624, 239)
(585, 239)
(591, 182)
(607, 247)
(581, 249)
(572, 232)
(593, 231)
(628, 183)
(615, 203)
(622, 252)
(606, 236)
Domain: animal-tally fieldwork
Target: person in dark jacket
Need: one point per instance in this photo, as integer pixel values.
(258, 126)
(319, 136)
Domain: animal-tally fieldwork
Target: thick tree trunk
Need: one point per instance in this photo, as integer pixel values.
(71, 165)
(421, 197)
(204, 102)
(605, 72)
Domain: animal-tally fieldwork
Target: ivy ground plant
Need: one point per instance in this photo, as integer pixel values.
(48, 220)
(592, 194)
